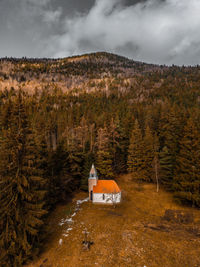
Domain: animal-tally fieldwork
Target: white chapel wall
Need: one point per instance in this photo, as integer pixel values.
(108, 198)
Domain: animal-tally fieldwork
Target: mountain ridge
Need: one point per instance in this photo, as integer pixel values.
(102, 71)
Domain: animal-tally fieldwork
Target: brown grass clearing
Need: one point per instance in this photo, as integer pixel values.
(133, 234)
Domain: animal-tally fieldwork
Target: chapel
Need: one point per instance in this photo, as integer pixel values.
(102, 191)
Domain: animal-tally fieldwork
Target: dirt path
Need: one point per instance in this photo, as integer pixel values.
(131, 235)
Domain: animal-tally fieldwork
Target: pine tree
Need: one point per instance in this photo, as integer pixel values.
(75, 167)
(156, 163)
(148, 156)
(21, 189)
(171, 131)
(104, 159)
(187, 174)
(135, 152)
(64, 173)
(104, 164)
(88, 161)
(166, 163)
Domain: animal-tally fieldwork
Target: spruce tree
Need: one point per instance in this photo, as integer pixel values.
(115, 148)
(187, 174)
(104, 164)
(55, 172)
(88, 161)
(104, 158)
(166, 163)
(75, 167)
(156, 163)
(170, 133)
(148, 156)
(21, 189)
(64, 173)
(135, 152)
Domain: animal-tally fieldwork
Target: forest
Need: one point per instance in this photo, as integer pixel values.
(57, 117)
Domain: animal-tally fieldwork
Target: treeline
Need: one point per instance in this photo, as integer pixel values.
(48, 141)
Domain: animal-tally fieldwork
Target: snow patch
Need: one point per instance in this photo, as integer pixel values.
(77, 208)
(67, 232)
(66, 235)
(69, 219)
(63, 221)
(78, 202)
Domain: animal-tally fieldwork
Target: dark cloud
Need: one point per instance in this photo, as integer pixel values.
(71, 7)
(158, 31)
(153, 31)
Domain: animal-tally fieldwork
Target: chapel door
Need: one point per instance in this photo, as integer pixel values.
(91, 195)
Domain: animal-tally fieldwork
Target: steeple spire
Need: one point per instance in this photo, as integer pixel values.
(93, 173)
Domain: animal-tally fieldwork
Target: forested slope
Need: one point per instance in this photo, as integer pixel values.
(60, 116)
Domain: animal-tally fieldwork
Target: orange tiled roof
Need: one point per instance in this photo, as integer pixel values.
(106, 186)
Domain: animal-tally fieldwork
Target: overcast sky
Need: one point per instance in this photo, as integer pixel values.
(155, 31)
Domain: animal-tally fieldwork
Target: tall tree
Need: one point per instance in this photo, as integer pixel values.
(87, 163)
(21, 188)
(187, 174)
(156, 163)
(104, 158)
(171, 129)
(166, 163)
(148, 156)
(135, 152)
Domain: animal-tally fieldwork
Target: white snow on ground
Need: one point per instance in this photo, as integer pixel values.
(63, 221)
(67, 231)
(69, 220)
(78, 202)
(66, 235)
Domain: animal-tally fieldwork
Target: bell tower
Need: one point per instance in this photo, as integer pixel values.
(92, 181)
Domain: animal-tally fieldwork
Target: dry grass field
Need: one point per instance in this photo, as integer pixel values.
(132, 234)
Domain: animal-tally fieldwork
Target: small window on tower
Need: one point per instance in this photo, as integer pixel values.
(103, 197)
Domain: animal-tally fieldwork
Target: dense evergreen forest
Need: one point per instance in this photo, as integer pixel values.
(57, 117)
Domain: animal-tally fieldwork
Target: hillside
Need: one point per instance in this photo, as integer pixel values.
(59, 116)
(101, 72)
(87, 73)
(133, 233)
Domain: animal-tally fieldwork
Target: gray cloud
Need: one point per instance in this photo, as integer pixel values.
(156, 31)
(52, 16)
(25, 25)
(152, 31)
